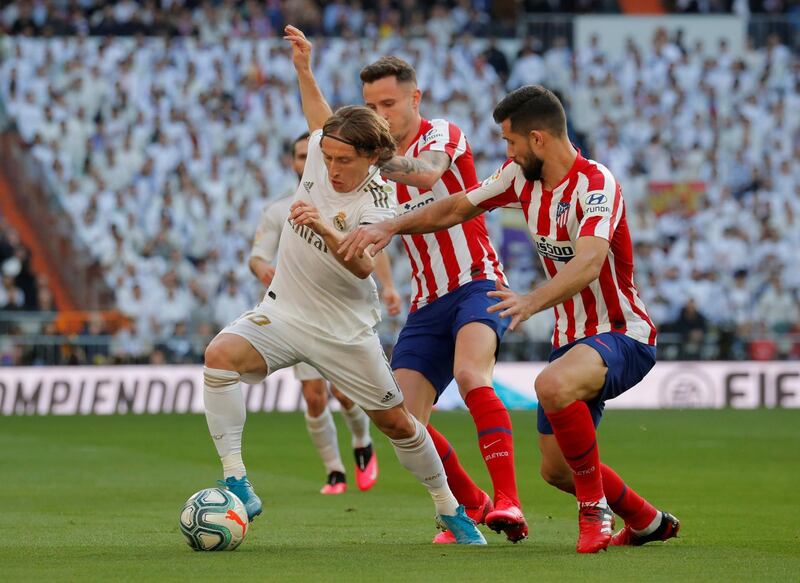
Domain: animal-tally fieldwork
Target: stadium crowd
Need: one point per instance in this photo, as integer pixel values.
(164, 151)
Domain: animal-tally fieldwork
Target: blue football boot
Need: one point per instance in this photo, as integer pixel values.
(462, 527)
(244, 491)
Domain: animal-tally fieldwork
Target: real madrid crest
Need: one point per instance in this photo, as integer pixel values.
(339, 221)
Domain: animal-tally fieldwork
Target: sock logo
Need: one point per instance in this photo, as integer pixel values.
(218, 436)
(433, 477)
(585, 472)
(488, 445)
(496, 454)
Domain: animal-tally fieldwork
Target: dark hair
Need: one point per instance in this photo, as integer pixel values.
(363, 129)
(297, 140)
(389, 67)
(532, 107)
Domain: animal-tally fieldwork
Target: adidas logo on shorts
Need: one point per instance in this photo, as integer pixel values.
(387, 397)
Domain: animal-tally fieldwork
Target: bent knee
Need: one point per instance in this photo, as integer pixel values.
(396, 426)
(468, 379)
(218, 354)
(561, 478)
(550, 387)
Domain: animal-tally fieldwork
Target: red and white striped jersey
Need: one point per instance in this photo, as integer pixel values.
(588, 202)
(448, 259)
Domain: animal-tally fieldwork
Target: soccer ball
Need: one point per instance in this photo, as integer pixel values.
(214, 520)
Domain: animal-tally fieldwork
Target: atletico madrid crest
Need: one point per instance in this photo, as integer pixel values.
(562, 214)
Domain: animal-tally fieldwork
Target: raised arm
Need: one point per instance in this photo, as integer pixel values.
(315, 108)
(436, 216)
(422, 172)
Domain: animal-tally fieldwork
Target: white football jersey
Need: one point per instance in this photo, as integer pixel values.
(310, 284)
(270, 225)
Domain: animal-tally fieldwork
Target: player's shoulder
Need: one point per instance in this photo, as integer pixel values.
(597, 177)
(378, 192)
(438, 129)
(506, 174)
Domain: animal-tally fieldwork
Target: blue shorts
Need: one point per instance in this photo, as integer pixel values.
(628, 362)
(427, 342)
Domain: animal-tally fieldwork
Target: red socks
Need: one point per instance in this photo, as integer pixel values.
(575, 433)
(495, 440)
(634, 510)
(462, 486)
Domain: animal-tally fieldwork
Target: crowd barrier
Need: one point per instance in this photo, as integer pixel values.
(85, 390)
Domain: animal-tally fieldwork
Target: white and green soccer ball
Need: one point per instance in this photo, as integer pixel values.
(214, 520)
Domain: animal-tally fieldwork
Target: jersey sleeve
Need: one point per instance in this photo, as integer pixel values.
(601, 205)
(381, 206)
(314, 159)
(443, 137)
(268, 233)
(497, 190)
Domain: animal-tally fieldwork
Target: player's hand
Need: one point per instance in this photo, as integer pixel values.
(304, 213)
(392, 300)
(517, 306)
(376, 235)
(301, 47)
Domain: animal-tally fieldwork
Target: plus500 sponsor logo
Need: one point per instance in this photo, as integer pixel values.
(555, 250)
(410, 206)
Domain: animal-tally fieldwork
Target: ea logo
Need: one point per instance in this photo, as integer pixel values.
(687, 389)
(596, 198)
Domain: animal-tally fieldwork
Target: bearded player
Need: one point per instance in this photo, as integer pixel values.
(604, 341)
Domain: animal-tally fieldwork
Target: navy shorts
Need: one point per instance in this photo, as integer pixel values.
(628, 362)
(427, 342)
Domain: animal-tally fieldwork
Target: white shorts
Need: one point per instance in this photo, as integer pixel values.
(305, 372)
(358, 368)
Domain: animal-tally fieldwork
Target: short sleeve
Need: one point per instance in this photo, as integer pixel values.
(314, 158)
(601, 205)
(382, 204)
(497, 190)
(443, 137)
(268, 233)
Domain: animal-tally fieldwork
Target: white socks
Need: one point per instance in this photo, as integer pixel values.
(418, 455)
(225, 414)
(358, 424)
(323, 435)
(650, 527)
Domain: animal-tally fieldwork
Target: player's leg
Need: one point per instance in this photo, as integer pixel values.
(360, 370)
(643, 522)
(358, 423)
(419, 395)
(477, 335)
(416, 452)
(227, 358)
(321, 428)
(563, 388)
(423, 363)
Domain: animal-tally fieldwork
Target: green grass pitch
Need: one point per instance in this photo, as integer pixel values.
(97, 499)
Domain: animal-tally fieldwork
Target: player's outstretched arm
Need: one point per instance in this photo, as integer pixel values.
(583, 269)
(436, 216)
(304, 213)
(422, 172)
(389, 294)
(315, 108)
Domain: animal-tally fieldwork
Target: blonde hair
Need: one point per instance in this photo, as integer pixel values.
(363, 129)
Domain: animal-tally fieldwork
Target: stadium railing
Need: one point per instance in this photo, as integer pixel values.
(547, 27)
(36, 200)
